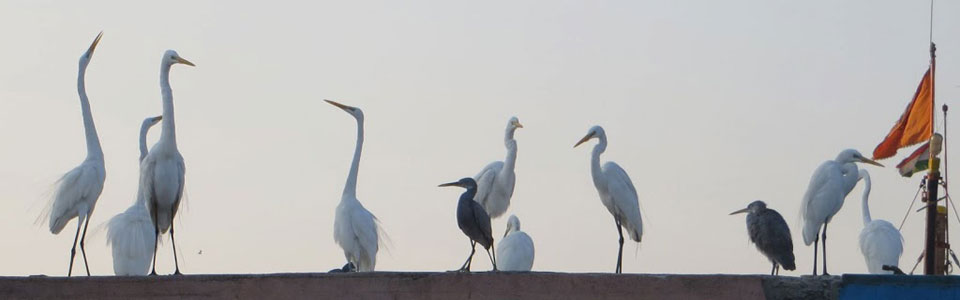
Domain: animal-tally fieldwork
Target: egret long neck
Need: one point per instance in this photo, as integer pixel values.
(143, 139)
(350, 189)
(511, 145)
(89, 129)
(595, 161)
(169, 133)
(865, 197)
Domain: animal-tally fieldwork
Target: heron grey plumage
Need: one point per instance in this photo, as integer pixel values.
(770, 233)
(474, 222)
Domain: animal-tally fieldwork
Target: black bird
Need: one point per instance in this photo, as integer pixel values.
(771, 234)
(474, 222)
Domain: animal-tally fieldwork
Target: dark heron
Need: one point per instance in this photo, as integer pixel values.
(770, 233)
(474, 222)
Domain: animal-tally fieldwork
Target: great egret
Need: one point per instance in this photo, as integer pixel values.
(770, 233)
(131, 233)
(616, 192)
(162, 170)
(495, 182)
(516, 248)
(355, 229)
(880, 242)
(473, 221)
(78, 190)
(829, 185)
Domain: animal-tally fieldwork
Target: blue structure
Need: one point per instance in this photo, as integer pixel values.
(899, 287)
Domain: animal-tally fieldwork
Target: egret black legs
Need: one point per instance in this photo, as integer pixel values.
(173, 241)
(825, 249)
(493, 258)
(83, 250)
(73, 251)
(816, 242)
(620, 252)
(156, 241)
(466, 264)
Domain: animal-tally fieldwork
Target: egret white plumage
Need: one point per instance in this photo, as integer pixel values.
(78, 190)
(496, 181)
(474, 222)
(880, 242)
(616, 192)
(131, 233)
(516, 248)
(770, 233)
(828, 188)
(355, 229)
(162, 171)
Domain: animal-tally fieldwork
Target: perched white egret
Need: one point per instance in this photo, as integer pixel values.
(495, 182)
(516, 248)
(880, 242)
(616, 192)
(162, 170)
(78, 190)
(131, 233)
(829, 185)
(355, 229)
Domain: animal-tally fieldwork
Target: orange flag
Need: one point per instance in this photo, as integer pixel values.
(914, 126)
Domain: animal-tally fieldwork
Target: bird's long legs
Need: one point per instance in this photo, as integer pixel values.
(825, 248)
(466, 264)
(620, 252)
(83, 250)
(173, 242)
(816, 242)
(773, 270)
(156, 241)
(493, 258)
(73, 251)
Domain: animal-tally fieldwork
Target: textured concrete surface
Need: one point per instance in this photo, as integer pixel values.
(447, 285)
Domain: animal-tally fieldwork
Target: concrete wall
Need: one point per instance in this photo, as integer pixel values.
(449, 285)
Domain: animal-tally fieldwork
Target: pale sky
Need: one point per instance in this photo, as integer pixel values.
(708, 105)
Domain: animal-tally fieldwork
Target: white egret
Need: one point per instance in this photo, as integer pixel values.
(78, 190)
(880, 242)
(495, 182)
(829, 185)
(474, 222)
(516, 248)
(162, 170)
(131, 233)
(616, 192)
(770, 233)
(355, 229)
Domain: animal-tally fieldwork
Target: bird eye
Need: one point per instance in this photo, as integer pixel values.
(172, 57)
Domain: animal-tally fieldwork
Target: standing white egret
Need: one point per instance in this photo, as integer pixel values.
(355, 229)
(495, 182)
(880, 242)
(131, 233)
(162, 170)
(78, 190)
(516, 248)
(616, 192)
(829, 185)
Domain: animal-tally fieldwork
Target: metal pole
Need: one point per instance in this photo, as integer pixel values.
(930, 248)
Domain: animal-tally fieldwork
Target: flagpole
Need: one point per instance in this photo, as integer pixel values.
(932, 265)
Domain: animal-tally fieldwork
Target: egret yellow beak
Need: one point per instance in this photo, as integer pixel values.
(186, 62)
(94, 45)
(740, 211)
(870, 161)
(518, 125)
(584, 139)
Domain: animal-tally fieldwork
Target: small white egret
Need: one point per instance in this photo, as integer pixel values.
(829, 185)
(880, 242)
(516, 248)
(162, 170)
(496, 181)
(616, 192)
(474, 222)
(355, 229)
(131, 233)
(78, 190)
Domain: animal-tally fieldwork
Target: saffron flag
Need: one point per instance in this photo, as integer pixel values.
(919, 161)
(915, 125)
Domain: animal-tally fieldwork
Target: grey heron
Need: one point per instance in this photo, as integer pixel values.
(473, 221)
(770, 233)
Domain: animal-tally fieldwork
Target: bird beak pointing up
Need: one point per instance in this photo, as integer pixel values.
(584, 139)
(740, 211)
(447, 184)
(94, 45)
(870, 161)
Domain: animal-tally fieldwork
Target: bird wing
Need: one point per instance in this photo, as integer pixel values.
(821, 198)
(515, 252)
(772, 237)
(181, 180)
(881, 244)
(624, 196)
(146, 185)
(364, 226)
(132, 239)
(482, 220)
(74, 189)
(485, 181)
